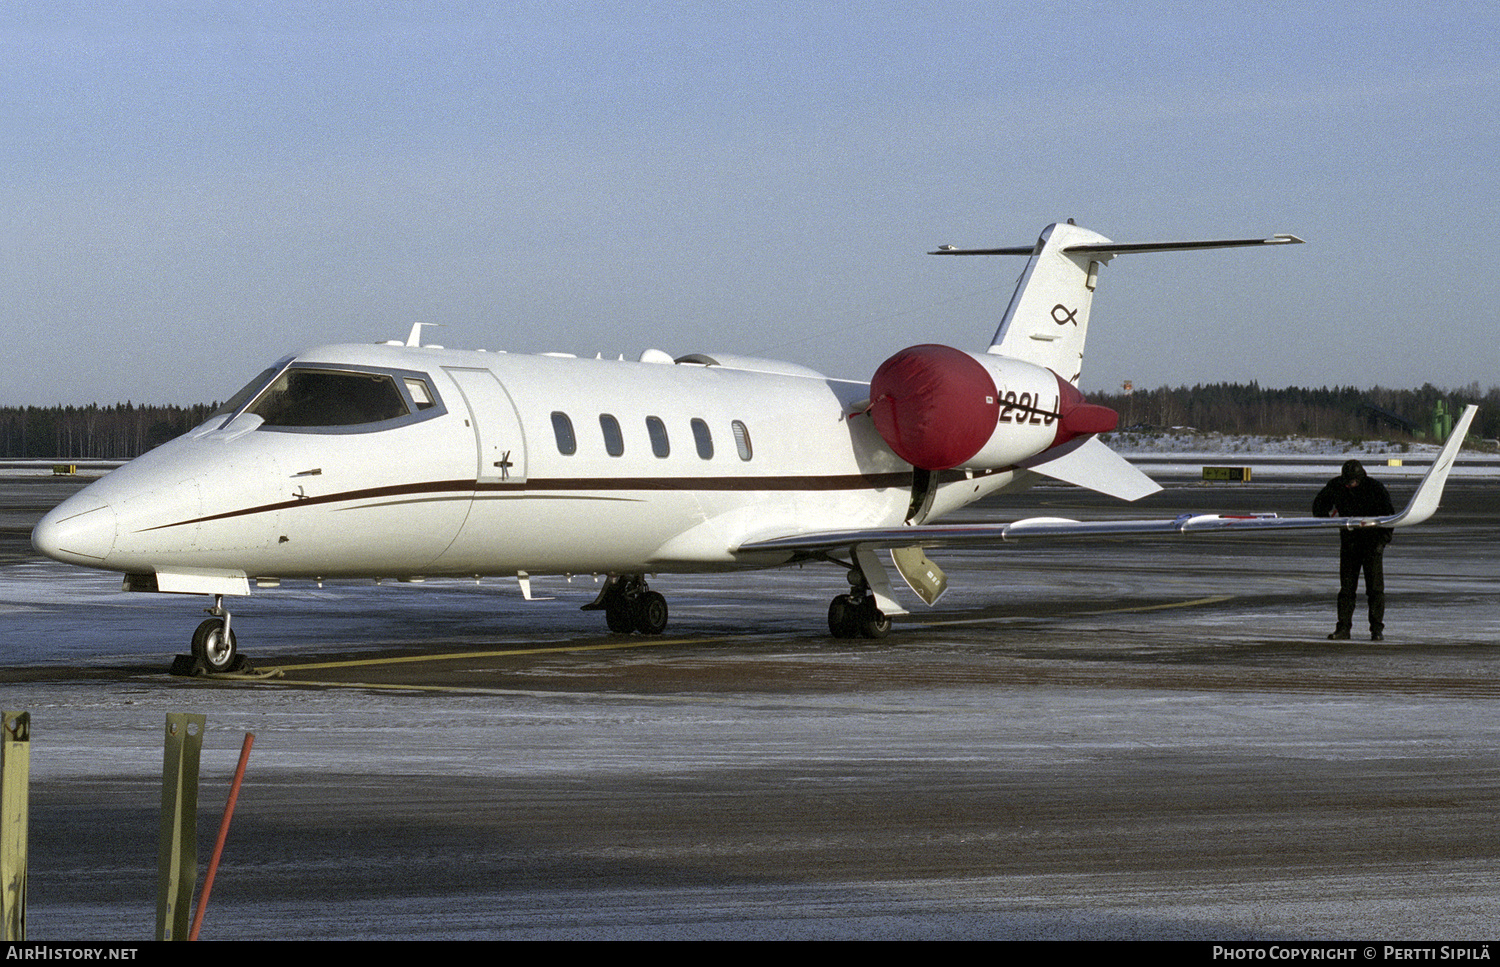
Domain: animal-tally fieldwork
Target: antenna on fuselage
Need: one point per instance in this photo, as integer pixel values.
(414, 339)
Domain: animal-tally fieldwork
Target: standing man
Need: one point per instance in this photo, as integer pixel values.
(1353, 493)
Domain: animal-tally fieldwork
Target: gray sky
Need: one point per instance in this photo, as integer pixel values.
(190, 190)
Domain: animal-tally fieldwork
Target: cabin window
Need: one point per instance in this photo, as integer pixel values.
(657, 430)
(323, 397)
(614, 440)
(703, 439)
(741, 439)
(562, 428)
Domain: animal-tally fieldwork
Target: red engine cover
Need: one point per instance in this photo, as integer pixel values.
(1078, 418)
(934, 405)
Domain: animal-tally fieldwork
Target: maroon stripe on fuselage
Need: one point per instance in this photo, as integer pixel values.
(538, 487)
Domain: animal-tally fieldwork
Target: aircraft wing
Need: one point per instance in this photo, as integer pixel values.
(1421, 506)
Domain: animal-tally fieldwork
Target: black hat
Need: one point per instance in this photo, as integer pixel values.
(1353, 472)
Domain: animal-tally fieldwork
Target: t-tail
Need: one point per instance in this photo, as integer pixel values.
(1047, 320)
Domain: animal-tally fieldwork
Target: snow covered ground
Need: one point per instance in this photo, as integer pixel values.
(1220, 445)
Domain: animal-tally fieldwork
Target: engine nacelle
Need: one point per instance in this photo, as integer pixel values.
(941, 408)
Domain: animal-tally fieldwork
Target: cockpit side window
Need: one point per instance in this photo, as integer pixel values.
(421, 393)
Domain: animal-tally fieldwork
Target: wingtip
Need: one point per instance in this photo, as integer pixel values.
(1424, 503)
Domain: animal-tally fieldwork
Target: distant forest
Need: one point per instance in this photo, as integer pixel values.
(1342, 413)
(94, 432)
(125, 430)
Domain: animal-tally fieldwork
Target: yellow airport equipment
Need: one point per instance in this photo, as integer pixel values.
(1235, 474)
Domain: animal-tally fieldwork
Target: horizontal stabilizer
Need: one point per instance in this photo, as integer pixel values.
(1125, 248)
(1085, 462)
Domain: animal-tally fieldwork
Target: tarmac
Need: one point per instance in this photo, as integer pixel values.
(1107, 740)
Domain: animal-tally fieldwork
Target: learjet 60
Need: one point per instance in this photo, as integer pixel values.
(405, 461)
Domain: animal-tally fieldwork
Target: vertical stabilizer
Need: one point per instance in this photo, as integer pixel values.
(1048, 317)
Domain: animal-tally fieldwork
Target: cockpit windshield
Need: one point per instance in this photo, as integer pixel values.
(313, 398)
(329, 397)
(248, 391)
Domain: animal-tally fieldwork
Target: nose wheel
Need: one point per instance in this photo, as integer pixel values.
(214, 646)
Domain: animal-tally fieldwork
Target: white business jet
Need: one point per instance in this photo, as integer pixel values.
(405, 461)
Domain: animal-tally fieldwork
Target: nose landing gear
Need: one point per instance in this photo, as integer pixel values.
(214, 646)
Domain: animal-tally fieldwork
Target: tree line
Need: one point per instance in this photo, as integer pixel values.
(126, 430)
(93, 432)
(1342, 412)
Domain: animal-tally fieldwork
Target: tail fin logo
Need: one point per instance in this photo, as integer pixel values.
(1068, 315)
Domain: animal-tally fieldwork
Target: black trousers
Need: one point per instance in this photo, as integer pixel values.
(1368, 558)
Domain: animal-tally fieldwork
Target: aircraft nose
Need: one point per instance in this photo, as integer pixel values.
(76, 534)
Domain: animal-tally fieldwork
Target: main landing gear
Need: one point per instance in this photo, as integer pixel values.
(629, 605)
(213, 643)
(856, 614)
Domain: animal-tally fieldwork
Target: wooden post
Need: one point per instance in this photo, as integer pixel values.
(177, 862)
(15, 776)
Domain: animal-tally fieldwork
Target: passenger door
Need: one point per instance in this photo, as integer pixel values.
(501, 445)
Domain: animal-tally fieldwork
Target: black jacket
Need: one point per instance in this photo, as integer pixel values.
(1368, 499)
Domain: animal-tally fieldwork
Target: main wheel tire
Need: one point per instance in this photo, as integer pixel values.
(212, 648)
(618, 614)
(650, 613)
(873, 622)
(843, 617)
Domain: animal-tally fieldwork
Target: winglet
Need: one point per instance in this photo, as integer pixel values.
(1424, 503)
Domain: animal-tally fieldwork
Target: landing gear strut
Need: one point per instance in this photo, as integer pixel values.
(628, 605)
(213, 642)
(856, 615)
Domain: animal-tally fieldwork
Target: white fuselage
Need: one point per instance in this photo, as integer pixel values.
(510, 463)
